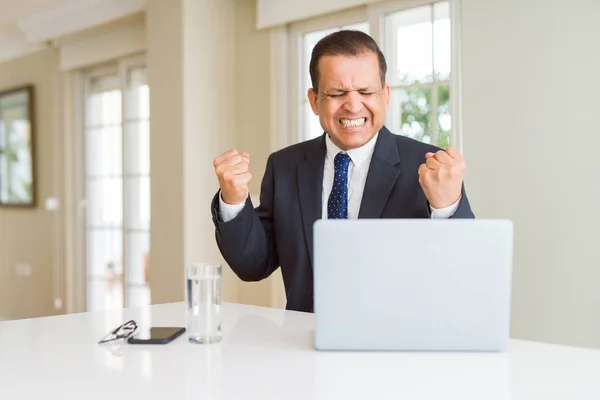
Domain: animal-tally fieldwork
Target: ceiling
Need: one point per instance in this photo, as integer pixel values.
(13, 10)
(26, 26)
(14, 42)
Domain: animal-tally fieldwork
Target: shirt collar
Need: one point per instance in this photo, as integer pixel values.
(358, 155)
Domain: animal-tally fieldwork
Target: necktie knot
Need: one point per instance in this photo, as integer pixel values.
(341, 162)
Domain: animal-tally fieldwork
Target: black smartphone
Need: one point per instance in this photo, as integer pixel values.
(156, 335)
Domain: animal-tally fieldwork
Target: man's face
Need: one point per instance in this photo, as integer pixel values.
(350, 103)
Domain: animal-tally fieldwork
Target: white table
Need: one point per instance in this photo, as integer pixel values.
(268, 354)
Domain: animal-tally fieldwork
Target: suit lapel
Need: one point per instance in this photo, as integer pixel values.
(310, 188)
(383, 173)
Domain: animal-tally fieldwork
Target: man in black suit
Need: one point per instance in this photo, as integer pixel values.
(356, 169)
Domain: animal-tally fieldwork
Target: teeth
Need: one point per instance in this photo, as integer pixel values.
(352, 123)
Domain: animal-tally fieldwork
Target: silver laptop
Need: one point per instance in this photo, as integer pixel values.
(412, 284)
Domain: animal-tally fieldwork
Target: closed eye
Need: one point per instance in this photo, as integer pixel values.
(340, 94)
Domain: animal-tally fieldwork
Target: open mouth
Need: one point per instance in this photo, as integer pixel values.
(352, 123)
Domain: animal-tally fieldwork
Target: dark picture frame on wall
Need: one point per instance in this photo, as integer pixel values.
(17, 156)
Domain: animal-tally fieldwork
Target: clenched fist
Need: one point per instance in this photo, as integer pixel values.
(233, 171)
(441, 177)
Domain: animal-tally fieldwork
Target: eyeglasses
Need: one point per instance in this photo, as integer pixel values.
(122, 332)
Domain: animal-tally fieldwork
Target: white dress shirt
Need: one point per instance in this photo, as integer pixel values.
(360, 159)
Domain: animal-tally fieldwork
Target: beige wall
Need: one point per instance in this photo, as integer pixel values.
(164, 37)
(191, 58)
(203, 110)
(244, 125)
(252, 89)
(26, 235)
(530, 98)
(252, 116)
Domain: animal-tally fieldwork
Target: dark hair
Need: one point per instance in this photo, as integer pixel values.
(345, 43)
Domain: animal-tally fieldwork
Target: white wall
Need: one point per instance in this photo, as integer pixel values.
(530, 95)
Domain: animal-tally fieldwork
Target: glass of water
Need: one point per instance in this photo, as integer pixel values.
(203, 302)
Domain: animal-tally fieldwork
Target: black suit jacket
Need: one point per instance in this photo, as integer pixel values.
(279, 232)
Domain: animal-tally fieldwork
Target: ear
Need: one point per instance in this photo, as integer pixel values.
(387, 94)
(312, 98)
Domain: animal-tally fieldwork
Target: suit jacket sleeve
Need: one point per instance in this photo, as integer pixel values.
(247, 242)
(464, 208)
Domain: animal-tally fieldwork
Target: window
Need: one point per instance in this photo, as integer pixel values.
(417, 45)
(117, 186)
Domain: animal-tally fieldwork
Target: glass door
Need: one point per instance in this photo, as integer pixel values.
(117, 186)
